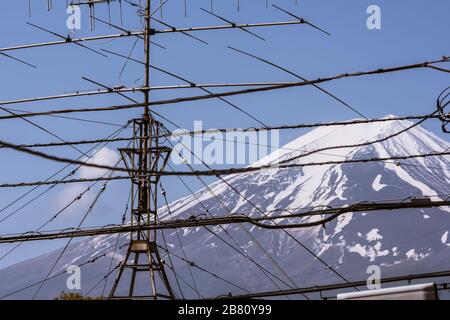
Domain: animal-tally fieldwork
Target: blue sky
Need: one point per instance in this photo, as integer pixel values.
(412, 31)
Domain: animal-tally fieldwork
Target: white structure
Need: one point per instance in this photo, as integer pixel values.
(425, 291)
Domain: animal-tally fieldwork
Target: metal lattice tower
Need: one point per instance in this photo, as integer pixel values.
(145, 156)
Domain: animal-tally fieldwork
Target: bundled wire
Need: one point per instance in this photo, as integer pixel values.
(442, 102)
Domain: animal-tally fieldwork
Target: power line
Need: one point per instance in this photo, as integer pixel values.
(243, 227)
(301, 126)
(110, 270)
(190, 83)
(104, 278)
(223, 171)
(94, 259)
(392, 204)
(391, 245)
(229, 130)
(301, 78)
(363, 144)
(60, 159)
(266, 253)
(61, 182)
(116, 132)
(420, 65)
(246, 91)
(287, 166)
(173, 269)
(195, 265)
(338, 286)
(68, 143)
(83, 219)
(228, 219)
(76, 110)
(286, 232)
(90, 261)
(67, 206)
(164, 194)
(71, 118)
(302, 225)
(241, 250)
(266, 128)
(42, 129)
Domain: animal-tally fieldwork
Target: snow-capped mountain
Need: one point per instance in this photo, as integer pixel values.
(400, 242)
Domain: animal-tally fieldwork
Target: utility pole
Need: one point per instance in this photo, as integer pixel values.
(146, 155)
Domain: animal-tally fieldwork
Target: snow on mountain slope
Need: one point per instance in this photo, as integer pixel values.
(402, 241)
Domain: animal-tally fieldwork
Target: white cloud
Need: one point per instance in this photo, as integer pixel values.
(104, 156)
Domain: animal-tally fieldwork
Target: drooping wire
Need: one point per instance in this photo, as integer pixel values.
(285, 231)
(301, 78)
(90, 261)
(177, 280)
(90, 209)
(363, 144)
(258, 244)
(60, 212)
(73, 118)
(195, 265)
(241, 251)
(164, 194)
(52, 185)
(115, 247)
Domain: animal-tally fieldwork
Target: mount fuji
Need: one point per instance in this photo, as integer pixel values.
(400, 242)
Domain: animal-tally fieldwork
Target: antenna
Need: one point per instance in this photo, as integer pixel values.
(146, 155)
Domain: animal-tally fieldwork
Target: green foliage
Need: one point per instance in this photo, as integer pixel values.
(75, 296)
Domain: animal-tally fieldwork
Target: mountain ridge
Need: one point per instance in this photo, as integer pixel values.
(398, 241)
